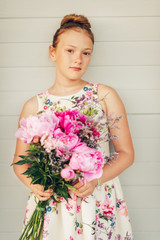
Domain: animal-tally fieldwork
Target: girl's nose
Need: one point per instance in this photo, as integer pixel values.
(78, 58)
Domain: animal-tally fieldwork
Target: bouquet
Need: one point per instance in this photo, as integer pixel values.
(63, 148)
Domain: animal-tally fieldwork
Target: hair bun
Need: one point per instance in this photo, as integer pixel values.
(74, 18)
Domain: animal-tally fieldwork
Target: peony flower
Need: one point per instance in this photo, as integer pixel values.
(71, 120)
(37, 126)
(67, 173)
(65, 142)
(88, 160)
(49, 143)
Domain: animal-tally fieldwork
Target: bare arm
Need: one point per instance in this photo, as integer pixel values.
(123, 145)
(29, 108)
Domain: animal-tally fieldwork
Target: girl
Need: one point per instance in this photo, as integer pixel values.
(92, 212)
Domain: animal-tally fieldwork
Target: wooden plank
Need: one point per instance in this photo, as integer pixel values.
(145, 150)
(137, 101)
(104, 54)
(10, 179)
(22, 8)
(144, 126)
(141, 126)
(7, 151)
(118, 77)
(141, 174)
(142, 197)
(17, 102)
(104, 29)
(150, 175)
(141, 101)
(12, 221)
(9, 235)
(9, 126)
(126, 29)
(141, 220)
(146, 235)
(19, 197)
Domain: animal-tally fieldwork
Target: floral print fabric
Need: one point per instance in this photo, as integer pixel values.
(100, 216)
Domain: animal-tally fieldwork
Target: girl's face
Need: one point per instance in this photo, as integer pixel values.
(72, 54)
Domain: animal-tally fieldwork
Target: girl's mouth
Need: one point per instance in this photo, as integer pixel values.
(76, 68)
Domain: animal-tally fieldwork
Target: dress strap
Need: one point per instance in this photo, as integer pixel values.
(94, 86)
(41, 98)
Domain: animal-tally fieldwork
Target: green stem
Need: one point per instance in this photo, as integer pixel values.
(27, 227)
(34, 226)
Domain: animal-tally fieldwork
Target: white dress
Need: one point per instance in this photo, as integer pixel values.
(100, 216)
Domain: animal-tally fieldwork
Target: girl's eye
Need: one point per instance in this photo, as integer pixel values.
(86, 53)
(69, 50)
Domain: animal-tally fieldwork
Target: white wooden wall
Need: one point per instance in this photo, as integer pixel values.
(126, 57)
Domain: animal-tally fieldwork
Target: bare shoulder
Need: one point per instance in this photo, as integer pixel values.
(29, 108)
(111, 98)
(104, 90)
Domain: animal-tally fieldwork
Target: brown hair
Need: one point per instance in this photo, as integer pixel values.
(73, 21)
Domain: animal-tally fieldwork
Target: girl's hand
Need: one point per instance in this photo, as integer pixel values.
(39, 192)
(85, 190)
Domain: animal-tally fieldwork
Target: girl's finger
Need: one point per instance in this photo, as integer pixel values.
(83, 188)
(78, 185)
(49, 191)
(43, 198)
(44, 194)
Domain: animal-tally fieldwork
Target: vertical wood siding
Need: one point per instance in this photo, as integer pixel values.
(126, 57)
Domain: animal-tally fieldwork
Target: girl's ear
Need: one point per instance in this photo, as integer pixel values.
(52, 54)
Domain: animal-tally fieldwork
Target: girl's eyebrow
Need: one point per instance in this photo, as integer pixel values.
(75, 47)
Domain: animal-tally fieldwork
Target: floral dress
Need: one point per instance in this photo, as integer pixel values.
(102, 215)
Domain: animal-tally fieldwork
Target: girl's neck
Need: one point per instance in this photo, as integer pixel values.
(67, 87)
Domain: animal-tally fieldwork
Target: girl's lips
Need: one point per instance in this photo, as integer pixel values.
(76, 68)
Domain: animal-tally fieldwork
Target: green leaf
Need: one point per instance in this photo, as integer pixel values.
(21, 162)
(70, 186)
(36, 180)
(63, 192)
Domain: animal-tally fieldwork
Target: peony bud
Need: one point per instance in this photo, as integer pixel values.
(67, 173)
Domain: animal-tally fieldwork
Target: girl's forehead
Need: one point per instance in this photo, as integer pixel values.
(73, 37)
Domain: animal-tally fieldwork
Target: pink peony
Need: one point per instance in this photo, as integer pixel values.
(67, 173)
(71, 120)
(48, 143)
(37, 126)
(87, 160)
(65, 142)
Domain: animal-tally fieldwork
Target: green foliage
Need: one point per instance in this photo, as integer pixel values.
(41, 172)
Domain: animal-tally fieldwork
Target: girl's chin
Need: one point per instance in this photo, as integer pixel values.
(74, 76)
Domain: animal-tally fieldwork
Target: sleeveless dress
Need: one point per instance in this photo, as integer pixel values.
(100, 216)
